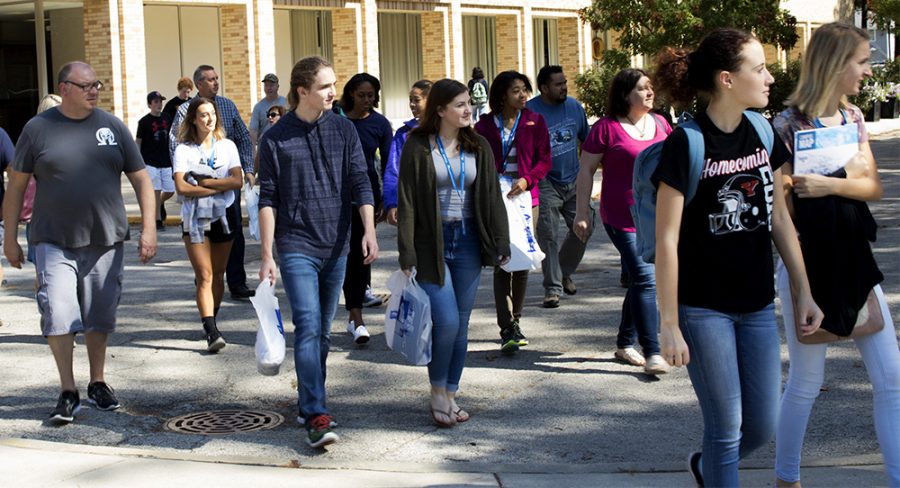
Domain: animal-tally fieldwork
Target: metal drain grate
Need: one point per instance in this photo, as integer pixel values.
(223, 422)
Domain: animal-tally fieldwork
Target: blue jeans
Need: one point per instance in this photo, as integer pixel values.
(313, 286)
(735, 368)
(639, 315)
(451, 304)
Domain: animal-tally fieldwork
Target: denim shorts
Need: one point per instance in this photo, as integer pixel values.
(78, 289)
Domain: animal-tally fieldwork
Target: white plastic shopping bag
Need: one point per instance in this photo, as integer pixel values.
(407, 321)
(525, 254)
(270, 334)
(251, 201)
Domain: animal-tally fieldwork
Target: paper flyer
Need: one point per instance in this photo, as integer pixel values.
(826, 150)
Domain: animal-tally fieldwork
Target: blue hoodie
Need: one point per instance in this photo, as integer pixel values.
(392, 170)
(309, 174)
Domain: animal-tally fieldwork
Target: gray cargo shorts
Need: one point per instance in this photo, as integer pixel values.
(78, 289)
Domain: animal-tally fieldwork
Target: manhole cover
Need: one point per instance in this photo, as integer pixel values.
(224, 422)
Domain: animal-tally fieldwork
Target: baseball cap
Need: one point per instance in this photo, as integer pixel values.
(270, 77)
(155, 95)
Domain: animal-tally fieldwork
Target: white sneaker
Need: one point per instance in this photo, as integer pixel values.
(370, 300)
(359, 333)
(656, 365)
(630, 356)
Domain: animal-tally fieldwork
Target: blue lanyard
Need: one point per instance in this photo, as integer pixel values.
(507, 142)
(211, 161)
(460, 190)
(819, 125)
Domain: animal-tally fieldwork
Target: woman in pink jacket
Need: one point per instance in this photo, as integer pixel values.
(521, 145)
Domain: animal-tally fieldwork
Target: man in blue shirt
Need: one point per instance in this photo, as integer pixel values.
(568, 125)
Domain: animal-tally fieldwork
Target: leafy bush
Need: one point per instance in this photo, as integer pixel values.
(785, 82)
(593, 84)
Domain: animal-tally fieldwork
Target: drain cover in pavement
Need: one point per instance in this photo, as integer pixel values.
(224, 422)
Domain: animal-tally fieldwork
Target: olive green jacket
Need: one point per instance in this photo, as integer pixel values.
(420, 237)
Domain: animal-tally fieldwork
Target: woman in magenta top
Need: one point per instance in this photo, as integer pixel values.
(520, 141)
(613, 144)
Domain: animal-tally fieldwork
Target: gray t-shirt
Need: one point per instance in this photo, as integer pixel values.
(258, 120)
(77, 165)
(452, 207)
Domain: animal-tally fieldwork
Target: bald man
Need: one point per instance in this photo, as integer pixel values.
(77, 154)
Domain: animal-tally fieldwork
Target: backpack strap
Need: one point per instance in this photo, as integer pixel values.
(696, 153)
(763, 129)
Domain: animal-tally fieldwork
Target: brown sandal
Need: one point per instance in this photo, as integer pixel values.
(460, 418)
(438, 422)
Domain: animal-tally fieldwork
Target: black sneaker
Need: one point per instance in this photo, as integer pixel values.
(242, 293)
(66, 408)
(694, 468)
(102, 396)
(214, 340)
(569, 286)
(319, 432)
(509, 344)
(518, 335)
(160, 226)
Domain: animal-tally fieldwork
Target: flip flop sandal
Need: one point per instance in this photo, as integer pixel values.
(438, 422)
(459, 418)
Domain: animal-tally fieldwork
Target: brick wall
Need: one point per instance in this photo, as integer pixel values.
(236, 65)
(98, 48)
(133, 57)
(509, 46)
(344, 37)
(434, 55)
(568, 30)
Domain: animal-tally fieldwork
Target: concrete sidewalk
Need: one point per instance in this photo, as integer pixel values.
(36, 463)
(562, 412)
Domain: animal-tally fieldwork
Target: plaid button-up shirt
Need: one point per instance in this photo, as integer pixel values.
(232, 124)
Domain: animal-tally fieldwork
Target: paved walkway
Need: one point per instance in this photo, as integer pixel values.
(561, 412)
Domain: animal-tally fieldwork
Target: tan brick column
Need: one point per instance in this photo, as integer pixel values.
(369, 18)
(570, 48)
(434, 46)
(527, 30)
(265, 47)
(508, 43)
(347, 44)
(114, 47)
(238, 59)
(457, 66)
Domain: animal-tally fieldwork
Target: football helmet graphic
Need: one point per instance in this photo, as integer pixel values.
(738, 210)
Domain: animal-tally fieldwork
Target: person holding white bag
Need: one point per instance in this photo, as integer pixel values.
(451, 221)
(520, 142)
(835, 228)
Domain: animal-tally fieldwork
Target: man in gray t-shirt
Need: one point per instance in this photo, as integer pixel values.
(77, 155)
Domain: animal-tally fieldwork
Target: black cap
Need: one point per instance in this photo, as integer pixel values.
(155, 95)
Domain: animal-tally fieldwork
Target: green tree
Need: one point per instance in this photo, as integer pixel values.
(886, 12)
(647, 26)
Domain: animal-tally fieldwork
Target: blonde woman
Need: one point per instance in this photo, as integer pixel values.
(835, 225)
(206, 169)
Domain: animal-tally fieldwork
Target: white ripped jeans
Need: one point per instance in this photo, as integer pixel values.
(807, 372)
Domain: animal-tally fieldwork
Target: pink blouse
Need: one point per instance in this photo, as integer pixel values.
(619, 150)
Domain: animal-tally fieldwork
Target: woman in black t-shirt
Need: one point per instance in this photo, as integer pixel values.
(714, 273)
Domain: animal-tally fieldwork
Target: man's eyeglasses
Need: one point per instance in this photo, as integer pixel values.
(273, 115)
(86, 87)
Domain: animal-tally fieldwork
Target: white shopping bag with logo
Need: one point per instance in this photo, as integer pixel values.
(270, 334)
(525, 254)
(251, 202)
(407, 321)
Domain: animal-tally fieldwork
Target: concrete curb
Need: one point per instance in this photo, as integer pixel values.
(396, 467)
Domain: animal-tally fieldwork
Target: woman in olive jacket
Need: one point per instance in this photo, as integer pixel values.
(451, 221)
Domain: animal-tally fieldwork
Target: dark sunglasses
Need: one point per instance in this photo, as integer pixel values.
(272, 115)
